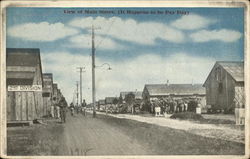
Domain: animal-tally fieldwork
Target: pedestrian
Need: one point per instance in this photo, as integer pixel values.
(185, 106)
(63, 106)
(181, 106)
(72, 110)
(175, 106)
(52, 110)
(167, 108)
(84, 111)
(57, 111)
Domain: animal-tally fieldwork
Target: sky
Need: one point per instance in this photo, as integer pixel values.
(141, 45)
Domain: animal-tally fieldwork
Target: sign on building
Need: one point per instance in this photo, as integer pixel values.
(28, 88)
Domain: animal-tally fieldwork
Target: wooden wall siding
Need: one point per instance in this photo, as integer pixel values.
(38, 95)
(224, 98)
(47, 89)
(11, 111)
(23, 106)
(47, 105)
(18, 105)
(38, 104)
(31, 108)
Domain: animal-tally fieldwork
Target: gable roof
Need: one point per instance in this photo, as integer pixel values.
(19, 81)
(174, 89)
(234, 68)
(28, 58)
(22, 57)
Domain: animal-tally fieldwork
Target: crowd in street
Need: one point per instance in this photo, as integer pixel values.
(78, 109)
(59, 109)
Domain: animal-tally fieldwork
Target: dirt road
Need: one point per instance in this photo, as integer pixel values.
(107, 135)
(92, 136)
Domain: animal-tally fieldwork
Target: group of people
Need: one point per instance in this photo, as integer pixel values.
(170, 105)
(59, 109)
(77, 109)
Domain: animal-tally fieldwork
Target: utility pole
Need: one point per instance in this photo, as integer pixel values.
(76, 93)
(93, 71)
(81, 70)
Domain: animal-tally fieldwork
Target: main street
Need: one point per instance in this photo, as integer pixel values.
(109, 135)
(93, 136)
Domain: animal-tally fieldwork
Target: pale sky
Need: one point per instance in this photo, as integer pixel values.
(141, 49)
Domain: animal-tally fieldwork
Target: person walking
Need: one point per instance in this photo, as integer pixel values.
(63, 107)
(53, 108)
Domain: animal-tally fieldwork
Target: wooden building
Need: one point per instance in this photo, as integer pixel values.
(24, 84)
(152, 92)
(101, 105)
(110, 100)
(59, 94)
(55, 92)
(47, 92)
(225, 86)
(137, 94)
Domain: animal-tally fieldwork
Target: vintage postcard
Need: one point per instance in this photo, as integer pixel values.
(125, 79)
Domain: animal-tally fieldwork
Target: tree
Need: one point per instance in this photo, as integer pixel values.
(129, 98)
(115, 101)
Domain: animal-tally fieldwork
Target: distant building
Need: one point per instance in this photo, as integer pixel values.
(101, 105)
(152, 92)
(136, 100)
(110, 100)
(137, 94)
(225, 86)
(24, 84)
(55, 90)
(59, 94)
(47, 92)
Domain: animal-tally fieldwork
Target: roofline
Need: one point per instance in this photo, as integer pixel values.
(218, 62)
(209, 74)
(40, 63)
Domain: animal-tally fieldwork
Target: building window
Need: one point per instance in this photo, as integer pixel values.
(218, 74)
(220, 87)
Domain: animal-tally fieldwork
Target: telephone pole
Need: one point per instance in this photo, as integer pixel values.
(93, 71)
(81, 70)
(76, 93)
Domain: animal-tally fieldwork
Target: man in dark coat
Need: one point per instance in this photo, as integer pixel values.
(63, 106)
